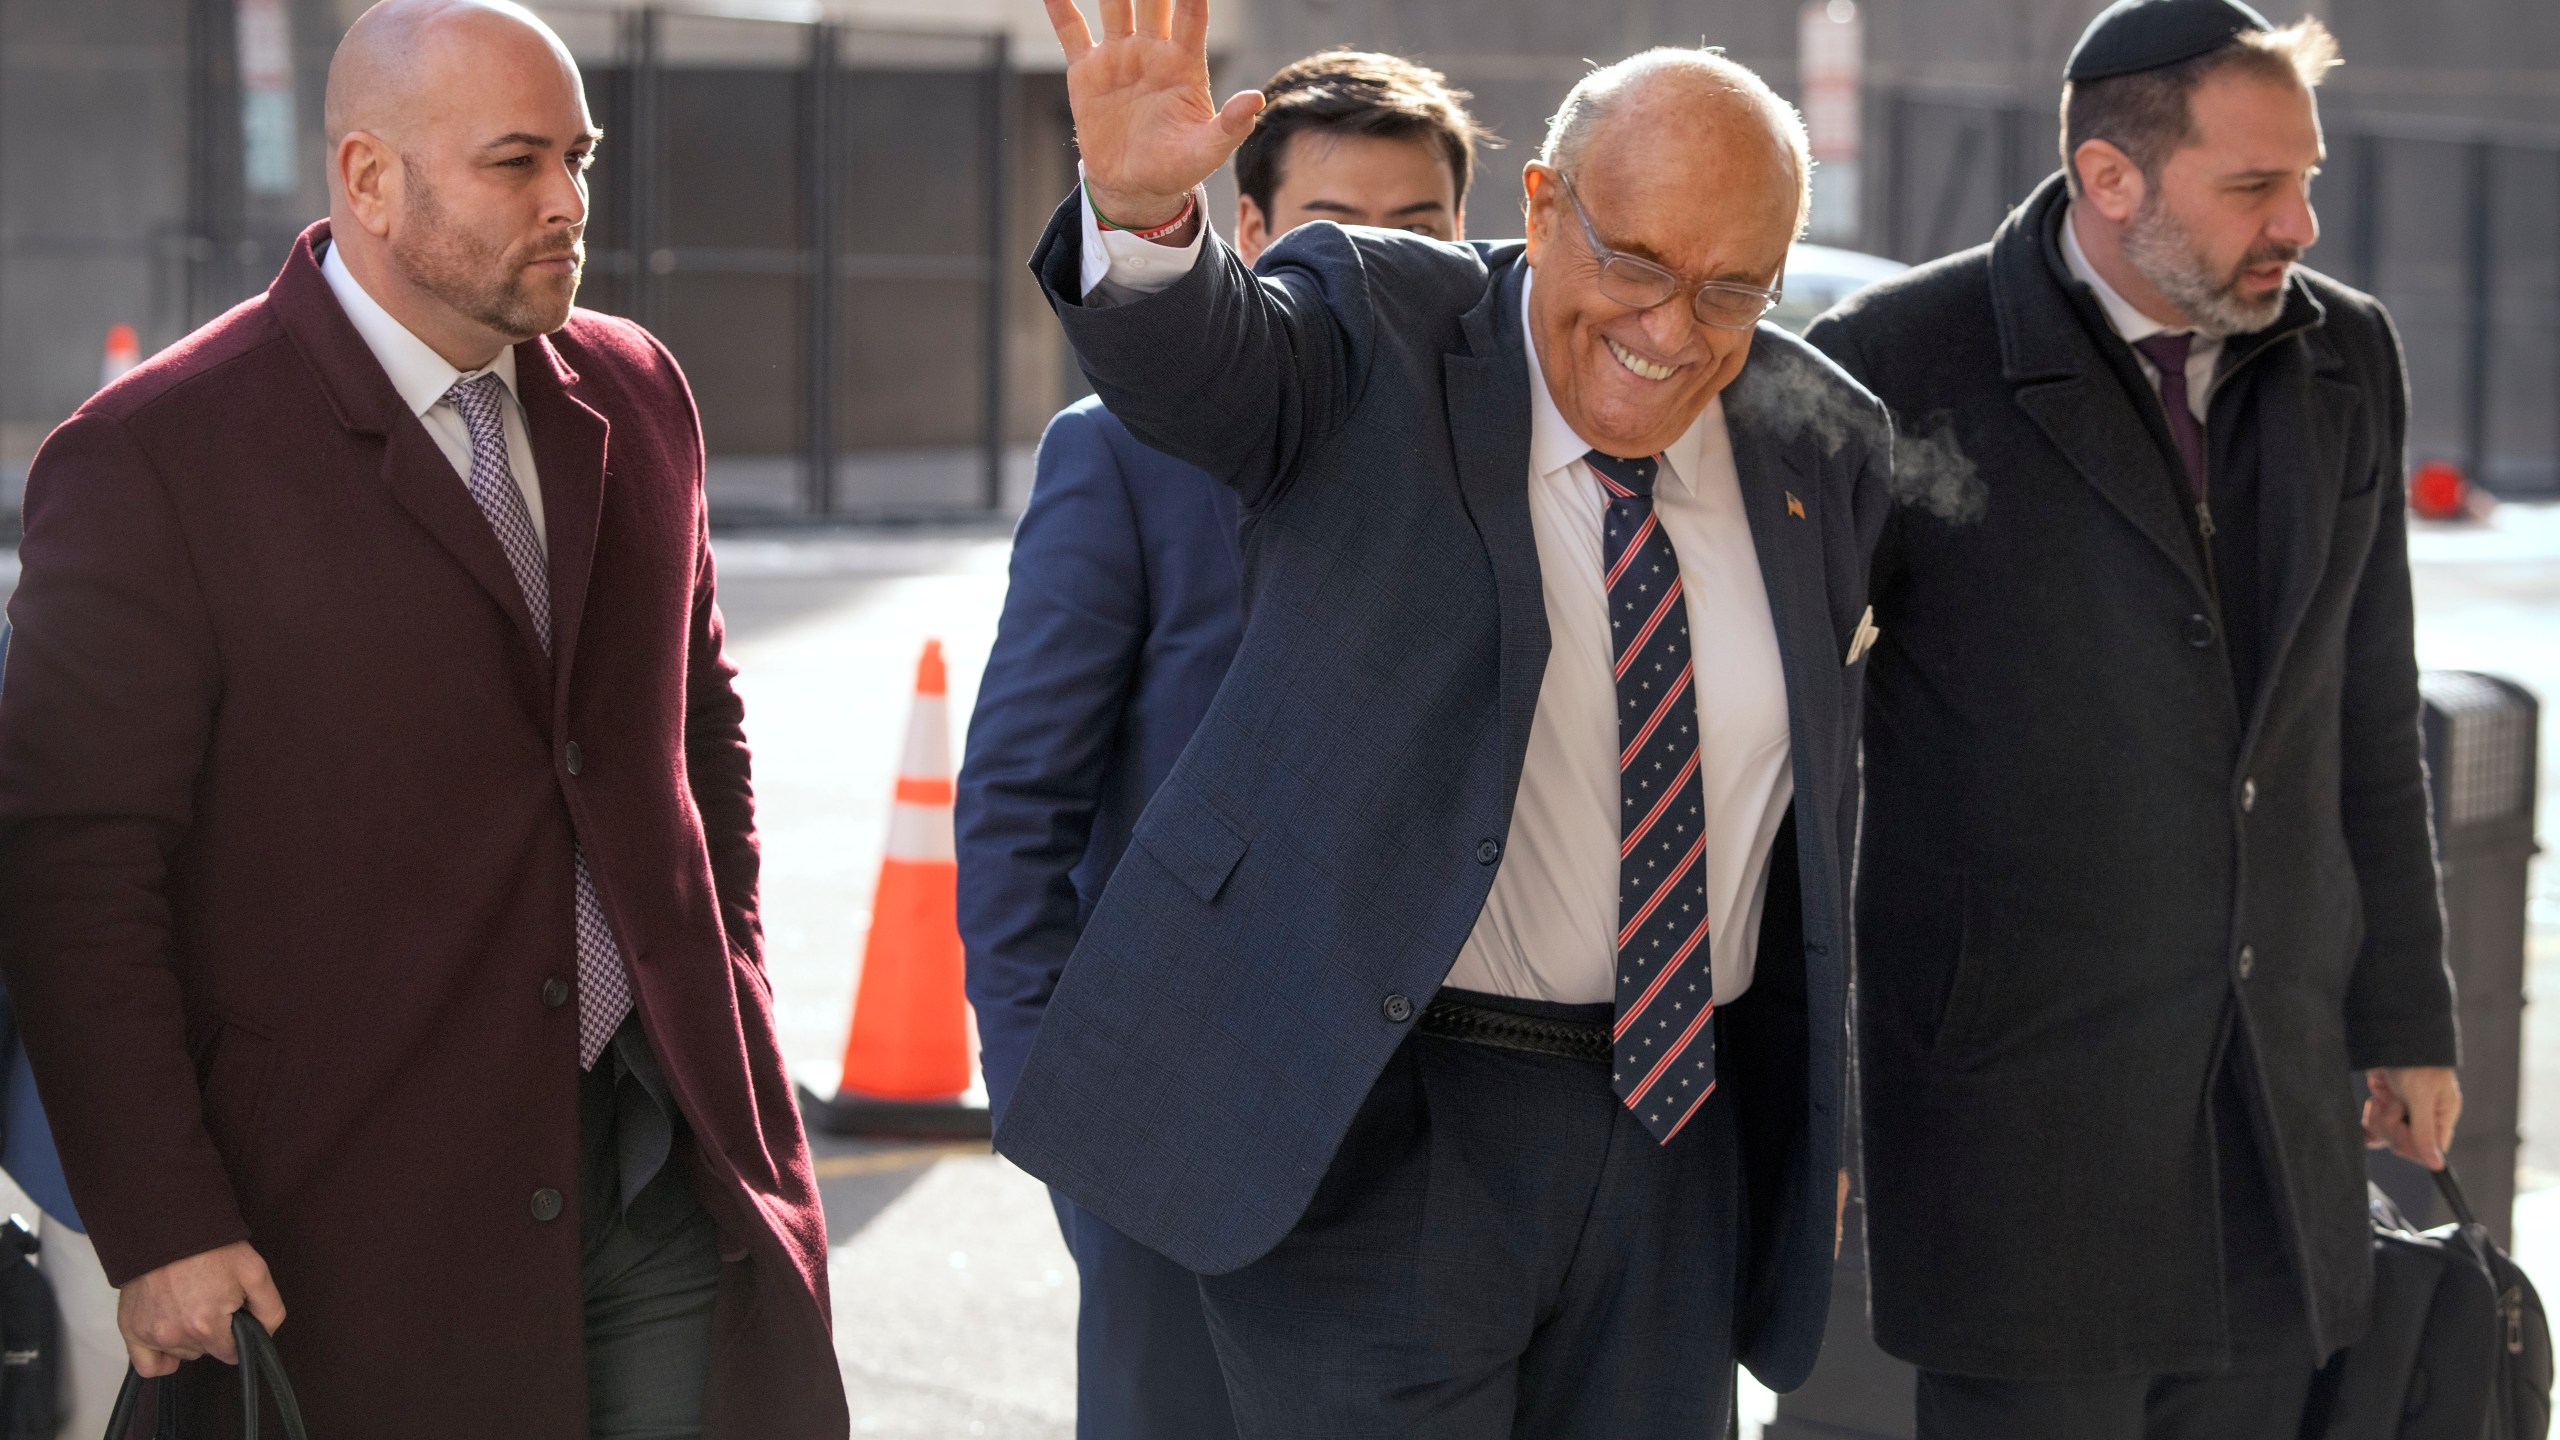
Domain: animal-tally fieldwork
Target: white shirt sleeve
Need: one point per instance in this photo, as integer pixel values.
(1119, 267)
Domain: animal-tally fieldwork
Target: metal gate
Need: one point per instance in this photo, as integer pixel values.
(811, 216)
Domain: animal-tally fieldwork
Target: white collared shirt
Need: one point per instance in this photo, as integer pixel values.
(2203, 354)
(1117, 266)
(422, 377)
(1549, 927)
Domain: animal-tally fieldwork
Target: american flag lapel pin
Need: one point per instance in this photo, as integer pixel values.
(1795, 507)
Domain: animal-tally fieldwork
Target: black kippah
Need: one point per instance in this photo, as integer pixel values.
(2133, 35)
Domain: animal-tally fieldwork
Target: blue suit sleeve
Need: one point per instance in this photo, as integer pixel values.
(1066, 657)
(1239, 374)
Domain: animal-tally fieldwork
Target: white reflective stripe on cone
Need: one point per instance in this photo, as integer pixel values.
(928, 753)
(921, 833)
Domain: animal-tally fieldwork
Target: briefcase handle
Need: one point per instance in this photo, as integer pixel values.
(257, 1357)
(2451, 1190)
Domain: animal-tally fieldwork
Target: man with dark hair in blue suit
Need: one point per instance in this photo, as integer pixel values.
(1402, 1020)
(1124, 610)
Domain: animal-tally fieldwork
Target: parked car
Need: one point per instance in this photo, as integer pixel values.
(1821, 276)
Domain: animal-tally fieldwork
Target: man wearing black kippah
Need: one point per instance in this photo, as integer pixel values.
(2146, 873)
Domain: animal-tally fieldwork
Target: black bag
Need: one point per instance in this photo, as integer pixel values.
(30, 1384)
(257, 1357)
(2459, 1348)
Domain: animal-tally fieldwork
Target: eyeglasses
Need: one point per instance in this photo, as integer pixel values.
(1640, 284)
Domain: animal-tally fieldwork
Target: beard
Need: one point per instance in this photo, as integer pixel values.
(484, 281)
(2158, 246)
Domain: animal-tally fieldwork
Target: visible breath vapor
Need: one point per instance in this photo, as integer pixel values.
(1792, 394)
(1931, 472)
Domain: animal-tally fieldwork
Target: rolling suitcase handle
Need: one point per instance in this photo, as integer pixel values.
(257, 1357)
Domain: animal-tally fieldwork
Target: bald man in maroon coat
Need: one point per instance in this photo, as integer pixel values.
(377, 852)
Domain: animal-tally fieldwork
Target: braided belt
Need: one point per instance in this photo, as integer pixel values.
(1481, 1025)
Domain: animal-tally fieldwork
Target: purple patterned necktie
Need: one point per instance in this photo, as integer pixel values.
(604, 987)
(2168, 355)
(1664, 1062)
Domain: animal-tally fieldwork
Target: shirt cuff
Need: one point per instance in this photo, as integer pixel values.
(1119, 267)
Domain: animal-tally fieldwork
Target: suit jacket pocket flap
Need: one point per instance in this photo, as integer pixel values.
(1195, 842)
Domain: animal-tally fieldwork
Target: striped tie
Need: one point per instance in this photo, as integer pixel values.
(1665, 1061)
(604, 987)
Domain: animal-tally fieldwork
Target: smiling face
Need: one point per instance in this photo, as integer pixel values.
(460, 191)
(1352, 179)
(1699, 184)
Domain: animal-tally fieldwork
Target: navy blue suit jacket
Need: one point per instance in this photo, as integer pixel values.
(1123, 612)
(1300, 885)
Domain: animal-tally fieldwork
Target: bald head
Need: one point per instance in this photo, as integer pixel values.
(459, 144)
(1678, 104)
(401, 55)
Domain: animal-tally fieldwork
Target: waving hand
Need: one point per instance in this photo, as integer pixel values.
(1146, 121)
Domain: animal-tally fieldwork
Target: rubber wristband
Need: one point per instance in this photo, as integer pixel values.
(1190, 203)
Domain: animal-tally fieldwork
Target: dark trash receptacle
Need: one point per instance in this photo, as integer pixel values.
(2482, 767)
(2481, 762)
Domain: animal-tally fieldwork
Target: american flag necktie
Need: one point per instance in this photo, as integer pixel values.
(604, 987)
(1664, 1060)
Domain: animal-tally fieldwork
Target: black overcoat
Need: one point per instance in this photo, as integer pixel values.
(2087, 855)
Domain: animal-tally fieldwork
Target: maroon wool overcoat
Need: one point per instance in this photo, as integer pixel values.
(286, 811)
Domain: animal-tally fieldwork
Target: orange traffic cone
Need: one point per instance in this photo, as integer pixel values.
(124, 351)
(906, 1060)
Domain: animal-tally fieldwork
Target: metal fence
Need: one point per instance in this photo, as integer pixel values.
(812, 216)
(2448, 224)
(823, 220)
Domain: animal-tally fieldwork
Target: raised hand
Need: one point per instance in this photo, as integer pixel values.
(1146, 121)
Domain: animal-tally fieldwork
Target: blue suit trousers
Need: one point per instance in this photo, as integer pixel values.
(1145, 1369)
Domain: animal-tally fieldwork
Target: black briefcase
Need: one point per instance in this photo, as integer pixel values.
(2458, 1349)
(257, 1358)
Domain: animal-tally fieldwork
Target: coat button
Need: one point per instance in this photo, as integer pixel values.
(2200, 632)
(574, 758)
(1488, 851)
(2248, 961)
(546, 1204)
(1396, 1008)
(2248, 796)
(555, 992)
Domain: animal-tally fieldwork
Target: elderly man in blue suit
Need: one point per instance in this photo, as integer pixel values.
(1123, 613)
(1402, 1019)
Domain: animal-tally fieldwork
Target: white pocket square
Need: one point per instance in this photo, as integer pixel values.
(1865, 638)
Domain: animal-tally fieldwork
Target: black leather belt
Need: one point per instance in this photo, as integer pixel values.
(1505, 1030)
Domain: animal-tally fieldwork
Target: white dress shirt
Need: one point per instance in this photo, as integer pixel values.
(2204, 353)
(1549, 928)
(1118, 267)
(422, 377)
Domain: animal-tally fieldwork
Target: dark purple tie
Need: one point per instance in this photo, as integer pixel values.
(1664, 1061)
(2168, 355)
